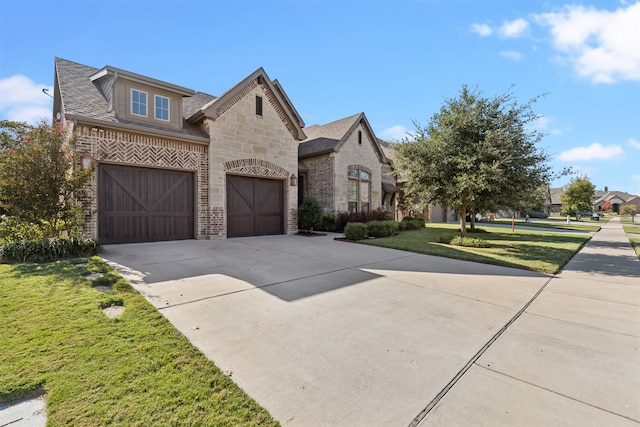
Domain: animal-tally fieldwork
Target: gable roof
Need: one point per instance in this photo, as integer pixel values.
(79, 96)
(605, 196)
(218, 106)
(331, 137)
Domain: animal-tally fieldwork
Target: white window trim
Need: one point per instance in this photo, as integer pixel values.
(155, 98)
(146, 105)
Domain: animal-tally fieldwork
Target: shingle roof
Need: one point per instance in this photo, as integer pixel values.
(317, 146)
(333, 130)
(82, 98)
(192, 104)
(325, 138)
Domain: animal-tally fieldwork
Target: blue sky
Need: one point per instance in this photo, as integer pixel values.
(395, 60)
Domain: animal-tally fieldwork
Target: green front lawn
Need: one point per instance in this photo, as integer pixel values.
(575, 225)
(545, 252)
(135, 370)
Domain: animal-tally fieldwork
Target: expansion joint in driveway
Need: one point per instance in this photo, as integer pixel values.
(421, 416)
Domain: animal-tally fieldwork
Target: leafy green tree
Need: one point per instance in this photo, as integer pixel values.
(38, 181)
(476, 154)
(11, 134)
(628, 209)
(578, 195)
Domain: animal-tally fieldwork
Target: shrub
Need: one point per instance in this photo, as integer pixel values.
(382, 228)
(355, 231)
(343, 218)
(309, 214)
(473, 242)
(14, 230)
(49, 249)
(328, 221)
(446, 238)
(409, 223)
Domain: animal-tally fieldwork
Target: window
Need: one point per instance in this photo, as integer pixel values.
(258, 105)
(138, 102)
(162, 108)
(360, 137)
(359, 189)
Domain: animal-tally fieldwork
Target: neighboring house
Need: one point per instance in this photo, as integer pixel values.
(173, 163)
(343, 166)
(617, 199)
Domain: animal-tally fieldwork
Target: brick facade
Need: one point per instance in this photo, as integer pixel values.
(320, 179)
(125, 148)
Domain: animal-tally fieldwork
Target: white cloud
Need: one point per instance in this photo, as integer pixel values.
(512, 55)
(482, 29)
(394, 133)
(594, 151)
(601, 45)
(633, 143)
(21, 99)
(514, 28)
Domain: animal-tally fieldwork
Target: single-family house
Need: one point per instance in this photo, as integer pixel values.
(615, 199)
(343, 166)
(173, 163)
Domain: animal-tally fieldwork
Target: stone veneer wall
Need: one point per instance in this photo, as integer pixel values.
(319, 180)
(119, 147)
(352, 153)
(243, 143)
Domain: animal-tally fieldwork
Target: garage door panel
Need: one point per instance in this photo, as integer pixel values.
(254, 206)
(140, 204)
(267, 225)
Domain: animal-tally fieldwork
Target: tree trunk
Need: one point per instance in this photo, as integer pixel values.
(472, 220)
(463, 220)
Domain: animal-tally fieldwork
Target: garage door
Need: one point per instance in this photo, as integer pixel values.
(144, 205)
(255, 206)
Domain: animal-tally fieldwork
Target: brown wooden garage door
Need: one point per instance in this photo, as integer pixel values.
(255, 206)
(144, 205)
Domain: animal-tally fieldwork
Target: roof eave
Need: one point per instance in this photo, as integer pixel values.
(137, 129)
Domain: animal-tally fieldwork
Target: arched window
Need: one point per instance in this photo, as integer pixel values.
(359, 188)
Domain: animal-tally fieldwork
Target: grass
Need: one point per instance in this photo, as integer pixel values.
(136, 370)
(575, 225)
(635, 243)
(629, 227)
(544, 252)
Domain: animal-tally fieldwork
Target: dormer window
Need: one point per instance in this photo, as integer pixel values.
(138, 102)
(162, 108)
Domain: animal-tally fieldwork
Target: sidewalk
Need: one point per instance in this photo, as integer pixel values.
(572, 357)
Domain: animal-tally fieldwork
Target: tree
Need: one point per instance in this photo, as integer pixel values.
(628, 209)
(38, 181)
(578, 195)
(607, 207)
(309, 214)
(476, 154)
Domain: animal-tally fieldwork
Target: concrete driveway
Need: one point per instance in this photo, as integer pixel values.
(322, 332)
